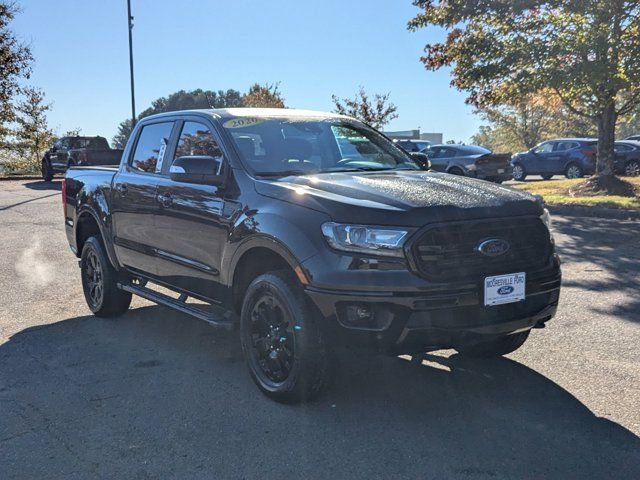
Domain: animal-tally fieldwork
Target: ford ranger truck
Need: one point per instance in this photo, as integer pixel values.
(309, 232)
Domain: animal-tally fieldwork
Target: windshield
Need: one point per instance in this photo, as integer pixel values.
(281, 146)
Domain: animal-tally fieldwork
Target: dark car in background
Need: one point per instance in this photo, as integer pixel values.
(571, 157)
(627, 161)
(470, 161)
(635, 138)
(81, 151)
(412, 146)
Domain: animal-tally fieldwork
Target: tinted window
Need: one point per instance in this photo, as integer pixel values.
(281, 145)
(621, 148)
(408, 146)
(544, 148)
(473, 150)
(150, 148)
(563, 146)
(196, 139)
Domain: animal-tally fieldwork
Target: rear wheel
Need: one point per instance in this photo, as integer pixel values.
(100, 281)
(497, 347)
(632, 169)
(282, 342)
(47, 174)
(519, 173)
(574, 171)
(456, 171)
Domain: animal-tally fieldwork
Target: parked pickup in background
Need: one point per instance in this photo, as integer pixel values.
(309, 232)
(470, 161)
(81, 151)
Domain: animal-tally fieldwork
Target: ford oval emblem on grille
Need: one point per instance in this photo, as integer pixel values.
(494, 247)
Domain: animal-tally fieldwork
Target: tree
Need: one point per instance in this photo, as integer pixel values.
(15, 62)
(32, 132)
(263, 96)
(377, 113)
(586, 52)
(181, 100)
(523, 124)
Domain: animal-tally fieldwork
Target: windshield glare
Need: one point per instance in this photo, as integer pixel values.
(280, 146)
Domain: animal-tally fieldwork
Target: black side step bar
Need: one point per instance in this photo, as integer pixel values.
(179, 305)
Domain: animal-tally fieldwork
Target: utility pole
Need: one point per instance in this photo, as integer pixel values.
(133, 95)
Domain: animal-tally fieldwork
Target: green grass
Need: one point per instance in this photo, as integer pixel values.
(556, 192)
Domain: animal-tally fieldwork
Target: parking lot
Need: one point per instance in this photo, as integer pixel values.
(155, 394)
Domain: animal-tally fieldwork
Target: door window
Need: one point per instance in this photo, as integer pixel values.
(544, 148)
(152, 143)
(196, 139)
(622, 148)
(564, 146)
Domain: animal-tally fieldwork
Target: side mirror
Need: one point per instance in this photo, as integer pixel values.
(200, 169)
(422, 159)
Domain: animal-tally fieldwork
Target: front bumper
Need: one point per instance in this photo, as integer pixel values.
(439, 316)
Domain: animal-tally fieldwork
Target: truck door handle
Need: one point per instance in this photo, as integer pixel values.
(122, 188)
(165, 200)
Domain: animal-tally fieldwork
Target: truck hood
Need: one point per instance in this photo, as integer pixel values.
(404, 198)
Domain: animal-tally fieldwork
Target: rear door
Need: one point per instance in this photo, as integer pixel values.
(134, 201)
(191, 228)
(562, 151)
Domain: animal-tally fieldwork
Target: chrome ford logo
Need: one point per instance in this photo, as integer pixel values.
(506, 290)
(494, 247)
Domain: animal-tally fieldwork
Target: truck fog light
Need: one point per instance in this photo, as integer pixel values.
(365, 317)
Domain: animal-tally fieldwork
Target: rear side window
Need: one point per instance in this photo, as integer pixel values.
(152, 143)
(564, 146)
(196, 139)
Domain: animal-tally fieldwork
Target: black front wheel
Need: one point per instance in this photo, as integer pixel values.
(47, 174)
(100, 281)
(281, 340)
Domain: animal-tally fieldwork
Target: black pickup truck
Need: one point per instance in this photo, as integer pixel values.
(310, 232)
(84, 151)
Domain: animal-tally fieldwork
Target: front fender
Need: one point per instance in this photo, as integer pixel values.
(295, 238)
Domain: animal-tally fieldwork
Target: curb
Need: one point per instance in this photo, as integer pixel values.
(597, 212)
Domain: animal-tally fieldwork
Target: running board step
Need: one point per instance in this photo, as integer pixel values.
(178, 305)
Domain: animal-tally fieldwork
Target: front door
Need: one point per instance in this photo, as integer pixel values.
(191, 227)
(541, 160)
(134, 198)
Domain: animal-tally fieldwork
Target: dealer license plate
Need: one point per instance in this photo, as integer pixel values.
(504, 288)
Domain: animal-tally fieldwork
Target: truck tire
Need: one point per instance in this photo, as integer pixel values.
(497, 347)
(47, 174)
(281, 338)
(100, 281)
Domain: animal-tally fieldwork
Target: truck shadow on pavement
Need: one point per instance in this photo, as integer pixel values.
(610, 250)
(156, 395)
(55, 184)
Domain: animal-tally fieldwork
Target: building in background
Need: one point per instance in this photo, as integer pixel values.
(434, 138)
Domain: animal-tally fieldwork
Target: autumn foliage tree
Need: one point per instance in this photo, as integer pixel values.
(15, 64)
(263, 96)
(585, 52)
(376, 113)
(32, 132)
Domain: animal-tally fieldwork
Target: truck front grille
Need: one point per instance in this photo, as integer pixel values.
(447, 252)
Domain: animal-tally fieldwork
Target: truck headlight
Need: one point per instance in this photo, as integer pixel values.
(387, 241)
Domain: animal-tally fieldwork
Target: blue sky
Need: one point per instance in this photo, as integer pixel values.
(314, 49)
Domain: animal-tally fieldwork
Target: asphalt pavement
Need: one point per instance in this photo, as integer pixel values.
(155, 394)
